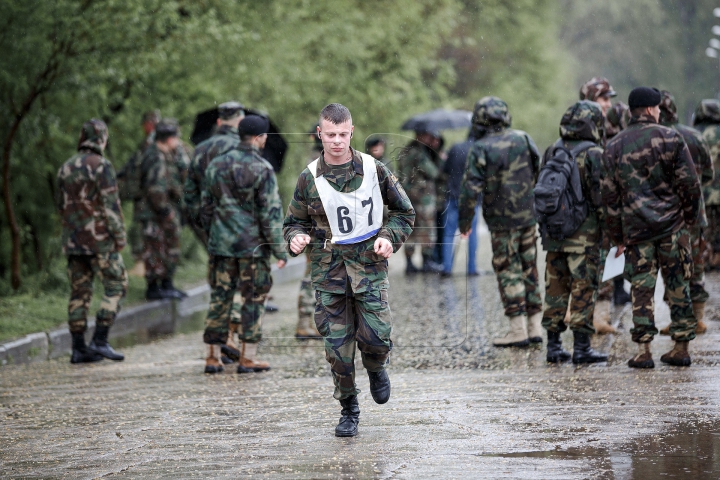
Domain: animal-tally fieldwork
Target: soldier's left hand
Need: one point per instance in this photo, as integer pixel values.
(281, 263)
(383, 247)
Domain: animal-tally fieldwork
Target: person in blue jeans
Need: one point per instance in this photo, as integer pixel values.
(454, 169)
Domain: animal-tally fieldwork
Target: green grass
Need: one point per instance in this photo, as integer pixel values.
(42, 302)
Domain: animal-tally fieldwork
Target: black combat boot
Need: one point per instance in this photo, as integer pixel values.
(100, 344)
(350, 417)
(555, 352)
(582, 353)
(271, 308)
(410, 267)
(81, 353)
(379, 386)
(621, 297)
(169, 291)
(429, 266)
(153, 291)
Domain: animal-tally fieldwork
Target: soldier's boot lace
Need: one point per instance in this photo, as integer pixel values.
(100, 344)
(601, 318)
(555, 351)
(620, 296)
(644, 357)
(535, 328)
(582, 352)
(248, 361)
(81, 353)
(212, 361)
(349, 417)
(379, 386)
(678, 356)
(517, 336)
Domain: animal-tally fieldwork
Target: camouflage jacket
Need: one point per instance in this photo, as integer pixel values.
(711, 135)
(225, 139)
(700, 154)
(418, 171)
(306, 214)
(651, 189)
(129, 175)
(241, 208)
(503, 167)
(88, 202)
(162, 181)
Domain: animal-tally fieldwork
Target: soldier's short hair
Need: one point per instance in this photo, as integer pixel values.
(336, 114)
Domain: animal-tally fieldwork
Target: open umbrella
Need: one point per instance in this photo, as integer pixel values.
(440, 119)
(275, 148)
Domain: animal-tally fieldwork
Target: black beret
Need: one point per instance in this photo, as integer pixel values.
(253, 125)
(644, 97)
(167, 127)
(229, 110)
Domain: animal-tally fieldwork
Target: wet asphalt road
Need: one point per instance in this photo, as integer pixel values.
(459, 408)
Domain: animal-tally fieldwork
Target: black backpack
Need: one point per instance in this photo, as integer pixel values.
(560, 207)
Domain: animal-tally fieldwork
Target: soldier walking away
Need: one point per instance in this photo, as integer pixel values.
(502, 167)
(707, 121)
(93, 234)
(336, 211)
(572, 261)
(242, 217)
(161, 183)
(652, 195)
(129, 186)
(418, 171)
(700, 154)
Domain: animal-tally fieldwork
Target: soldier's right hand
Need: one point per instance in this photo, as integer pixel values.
(299, 242)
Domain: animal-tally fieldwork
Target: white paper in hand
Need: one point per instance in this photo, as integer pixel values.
(613, 266)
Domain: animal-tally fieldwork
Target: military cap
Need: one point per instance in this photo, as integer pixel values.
(644, 97)
(93, 134)
(584, 120)
(595, 88)
(151, 116)
(707, 111)
(668, 109)
(166, 128)
(491, 111)
(253, 125)
(230, 110)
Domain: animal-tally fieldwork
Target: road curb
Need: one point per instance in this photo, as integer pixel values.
(137, 324)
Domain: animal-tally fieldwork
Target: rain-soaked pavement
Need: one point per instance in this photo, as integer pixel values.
(459, 407)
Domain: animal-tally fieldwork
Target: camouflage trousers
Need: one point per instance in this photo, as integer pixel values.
(607, 288)
(673, 256)
(570, 275)
(249, 277)
(82, 270)
(135, 239)
(306, 298)
(343, 320)
(712, 236)
(698, 294)
(515, 264)
(424, 234)
(161, 243)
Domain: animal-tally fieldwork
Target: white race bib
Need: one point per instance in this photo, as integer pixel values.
(353, 216)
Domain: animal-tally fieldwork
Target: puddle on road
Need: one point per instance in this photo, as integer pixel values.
(691, 449)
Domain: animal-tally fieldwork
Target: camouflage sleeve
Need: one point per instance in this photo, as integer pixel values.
(269, 208)
(534, 156)
(192, 196)
(706, 163)
(473, 183)
(207, 201)
(401, 214)
(157, 189)
(687, 184)
(107, 186)
(427, 167)
(593, 172)
(611, 197)
(297, 219)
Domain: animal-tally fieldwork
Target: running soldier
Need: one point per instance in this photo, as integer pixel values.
(93, 234)
(336, 211)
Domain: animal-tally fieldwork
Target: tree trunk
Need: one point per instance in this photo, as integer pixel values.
(9, 211)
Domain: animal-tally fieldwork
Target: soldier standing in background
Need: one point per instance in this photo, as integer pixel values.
(652, 194)
(242, 217)
(93, 235)
(704, 167)
(162, 183)
(707, 121)
(418, 172)
(375, 146)
(502, 167)
(129, 185)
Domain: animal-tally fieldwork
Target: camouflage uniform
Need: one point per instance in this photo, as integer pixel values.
(651, 193)
(502, 167)
(571, 264)
(242, 215)
(707, 121)
(419, 172)
(700, 154)
(93, 232)
(350, 280)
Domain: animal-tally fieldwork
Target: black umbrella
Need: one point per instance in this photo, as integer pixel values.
(440, 119)
(275, 148)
